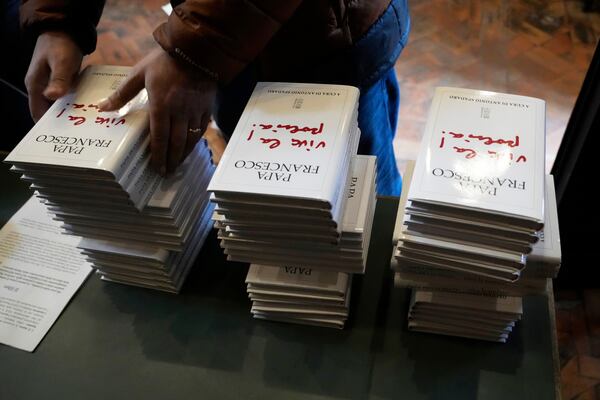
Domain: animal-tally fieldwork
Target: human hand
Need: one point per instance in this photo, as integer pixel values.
(180, 104)
(52, 71)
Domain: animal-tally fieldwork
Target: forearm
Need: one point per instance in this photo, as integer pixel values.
(221, 38)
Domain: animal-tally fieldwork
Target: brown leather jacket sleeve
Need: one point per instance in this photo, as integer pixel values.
(78, 18)
(222, 37)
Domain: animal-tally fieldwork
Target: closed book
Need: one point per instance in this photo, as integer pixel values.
(292, 140)
(77, 142)
(74, 134)
(483, 153)
(299, 278)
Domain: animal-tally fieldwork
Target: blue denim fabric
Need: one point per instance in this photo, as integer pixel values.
(373, 55)
(377, 53)
(377, 119)
(368, 65)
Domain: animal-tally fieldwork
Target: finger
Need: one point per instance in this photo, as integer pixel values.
(126, 91)
(159, 138)
(62, 76)
(196, 128)
(38, 105)
(177, 142)
(35, 82)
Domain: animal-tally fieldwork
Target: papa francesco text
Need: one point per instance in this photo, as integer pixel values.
(274, 171)
(71, 145)
(481, 185)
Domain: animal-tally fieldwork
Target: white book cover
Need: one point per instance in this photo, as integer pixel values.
(73, 133)
(291, 140)
(406, 182)
(360, 189)
(484, 151)
(306, 278)
(547, 250)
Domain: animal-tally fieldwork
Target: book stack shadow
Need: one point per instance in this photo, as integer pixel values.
(300, 212)
(92, 171)
(473, 237)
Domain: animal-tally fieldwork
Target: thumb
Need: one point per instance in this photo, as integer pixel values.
(125, 92)
(62, 76)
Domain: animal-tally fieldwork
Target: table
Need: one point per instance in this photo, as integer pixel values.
(115, 342)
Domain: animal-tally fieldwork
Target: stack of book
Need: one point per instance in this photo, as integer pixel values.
(287, 163)
(464, 315)
(256, 243)
(92, 171)
(164, 238)
(475, 203)
(541, 264)
(299, 295)
(290, 190)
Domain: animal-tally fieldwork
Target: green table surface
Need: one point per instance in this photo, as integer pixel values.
(116, 342)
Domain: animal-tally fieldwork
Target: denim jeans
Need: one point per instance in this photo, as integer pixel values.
(377, 119)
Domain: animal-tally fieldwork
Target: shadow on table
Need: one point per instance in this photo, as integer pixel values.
(427, 366)
(321, 361)
(207, 325)
(329, 362)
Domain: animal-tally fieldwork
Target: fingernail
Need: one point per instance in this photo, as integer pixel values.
(103, 104)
